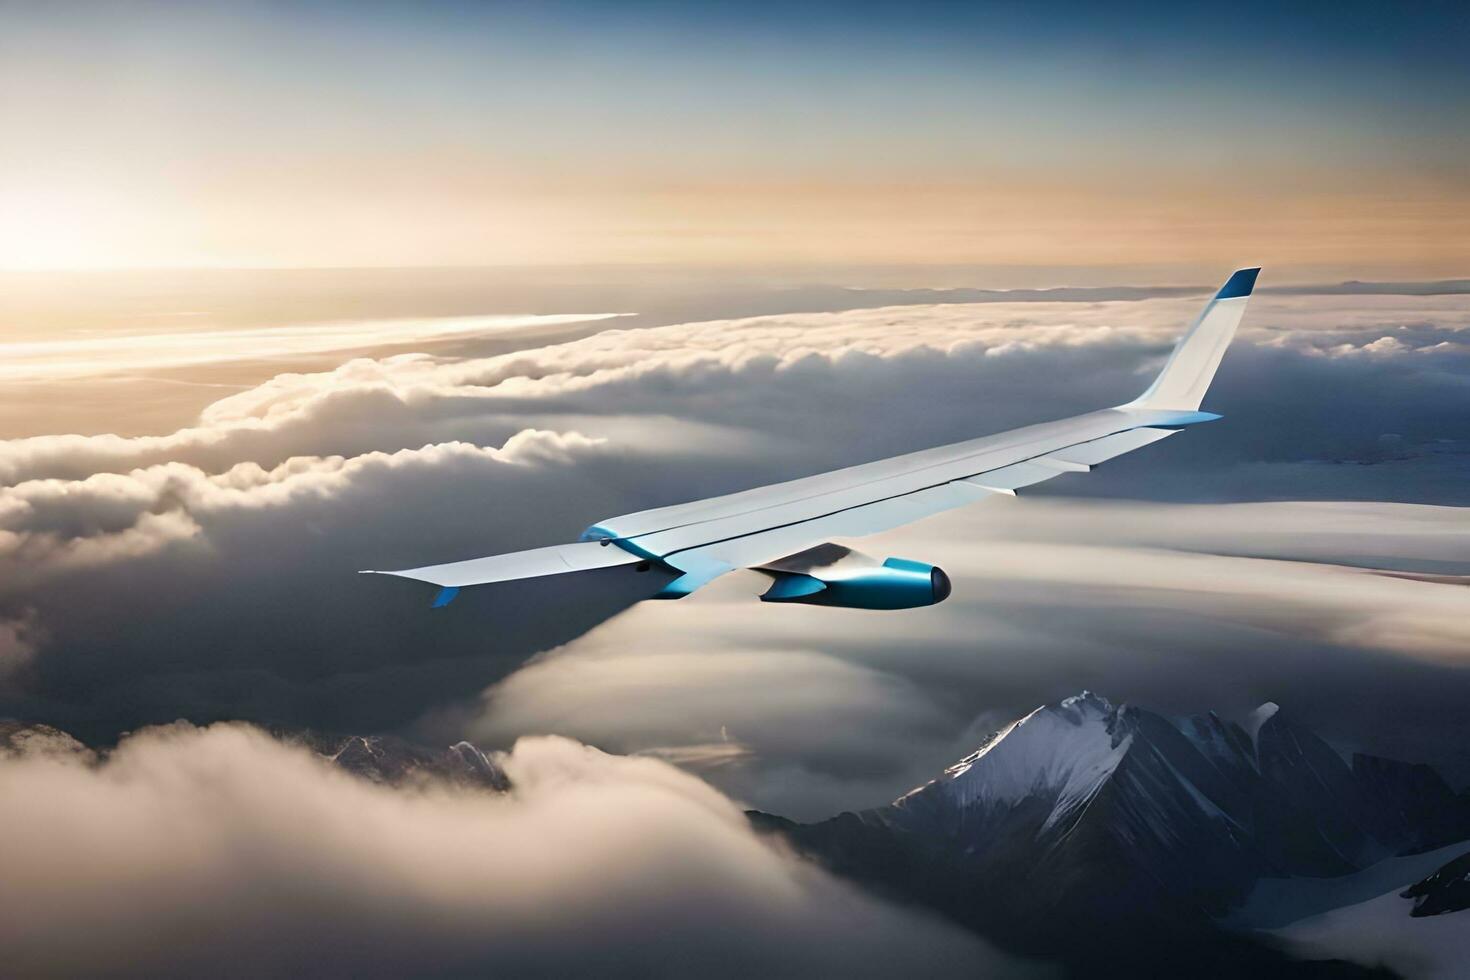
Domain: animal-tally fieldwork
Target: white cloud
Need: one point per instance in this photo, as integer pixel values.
(59, 524)
(223, 851)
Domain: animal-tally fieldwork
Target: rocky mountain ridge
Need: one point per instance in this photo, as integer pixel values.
(1086, 826)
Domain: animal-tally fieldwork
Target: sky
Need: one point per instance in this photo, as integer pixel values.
(377, 134)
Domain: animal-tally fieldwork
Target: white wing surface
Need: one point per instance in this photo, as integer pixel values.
(705, 538)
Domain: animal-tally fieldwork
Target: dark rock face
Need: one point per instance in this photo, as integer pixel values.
(1411, 802)
(1447, 890)
(1112, 837)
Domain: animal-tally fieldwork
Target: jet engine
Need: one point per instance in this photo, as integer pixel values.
(898, 583)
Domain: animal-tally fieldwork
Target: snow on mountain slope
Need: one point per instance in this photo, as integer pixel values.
(1278, 902)
(1380, 932)
(1062, 753)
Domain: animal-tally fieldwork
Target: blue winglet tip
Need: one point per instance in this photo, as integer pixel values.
(446, 596)
(1239, 284)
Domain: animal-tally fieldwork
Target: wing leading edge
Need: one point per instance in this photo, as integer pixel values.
(702, 540)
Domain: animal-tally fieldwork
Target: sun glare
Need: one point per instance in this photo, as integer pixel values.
(62, 228)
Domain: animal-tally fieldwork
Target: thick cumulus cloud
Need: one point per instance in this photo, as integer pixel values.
(221, 851)
(115, 516)
(208, 573)
(169, 591)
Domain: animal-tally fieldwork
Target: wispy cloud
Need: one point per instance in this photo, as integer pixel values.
(52, 360)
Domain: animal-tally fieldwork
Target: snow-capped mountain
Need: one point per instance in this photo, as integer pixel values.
(1062, 754)
(1227, 802)
(1091, 824)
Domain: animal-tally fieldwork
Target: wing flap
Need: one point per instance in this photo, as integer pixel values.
(1009, 479)
(766, 546)
(1097, 451)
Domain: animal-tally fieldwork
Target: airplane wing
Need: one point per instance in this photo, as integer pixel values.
(764, 528)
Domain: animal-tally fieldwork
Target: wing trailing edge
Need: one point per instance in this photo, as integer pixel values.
(558, 559)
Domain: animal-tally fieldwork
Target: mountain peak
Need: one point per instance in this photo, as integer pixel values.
(1084, 705)
(1086, 695)
(1061, 753)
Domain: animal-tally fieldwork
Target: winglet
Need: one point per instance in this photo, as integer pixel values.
(1181, 385)
(1242, 283)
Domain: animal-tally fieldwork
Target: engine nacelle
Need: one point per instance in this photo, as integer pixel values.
(896, 584)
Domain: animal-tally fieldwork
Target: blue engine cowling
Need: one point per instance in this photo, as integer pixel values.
(896, 584)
